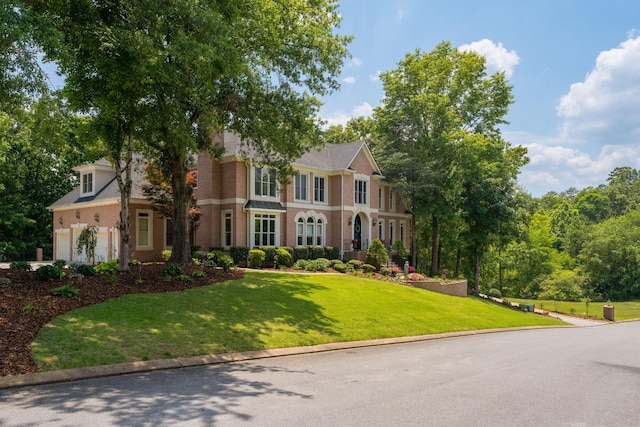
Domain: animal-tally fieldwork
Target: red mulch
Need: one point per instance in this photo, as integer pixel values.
(26, 304)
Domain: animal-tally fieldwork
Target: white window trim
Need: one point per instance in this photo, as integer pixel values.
(223, 233)
(363, 178)
(381, 229)
(297, 176)
(150, 231)
(252, 228)
(392, 236)
(326, 190)
(93, 183)
(253, 185)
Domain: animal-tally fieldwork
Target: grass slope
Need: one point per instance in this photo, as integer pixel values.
(263, 310)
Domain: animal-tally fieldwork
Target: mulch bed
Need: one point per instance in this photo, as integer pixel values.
(26, 304)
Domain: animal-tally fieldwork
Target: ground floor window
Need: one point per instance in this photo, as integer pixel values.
(265, 230)
(310, 232)
(227, 228)
(144, 229)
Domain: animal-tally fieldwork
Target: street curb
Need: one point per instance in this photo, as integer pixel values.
(76, 374)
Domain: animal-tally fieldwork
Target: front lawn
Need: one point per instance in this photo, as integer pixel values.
(262, 310)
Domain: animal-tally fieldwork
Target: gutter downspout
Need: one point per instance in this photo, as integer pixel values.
(341, 215)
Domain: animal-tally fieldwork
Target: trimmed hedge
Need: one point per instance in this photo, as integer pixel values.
(239, 254)
(256, 258)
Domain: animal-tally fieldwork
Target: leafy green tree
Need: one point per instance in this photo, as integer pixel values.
(20, 75)
(611, 256)
(488, 199)
(356, 129)
(593, 205)
(376, 253)
(172, 74)
(432, 101)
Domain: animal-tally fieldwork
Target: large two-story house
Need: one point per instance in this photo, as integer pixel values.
(337, 197)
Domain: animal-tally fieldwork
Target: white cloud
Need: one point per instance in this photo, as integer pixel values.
(375, 77)
(604, 107)
(399, 15)
(342, 117)
(355, 62)
(349, 80)
(498, 58)
(554, 167)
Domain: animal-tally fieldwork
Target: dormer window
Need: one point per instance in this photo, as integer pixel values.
(87, 183)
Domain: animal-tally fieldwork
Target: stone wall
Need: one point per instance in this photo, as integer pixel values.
(456, 289)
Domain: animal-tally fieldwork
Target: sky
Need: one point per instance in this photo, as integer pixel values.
(574, 66)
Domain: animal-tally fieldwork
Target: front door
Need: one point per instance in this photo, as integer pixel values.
(357, 233)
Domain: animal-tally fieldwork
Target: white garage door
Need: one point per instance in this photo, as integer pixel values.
(102, 245)
(63, 245)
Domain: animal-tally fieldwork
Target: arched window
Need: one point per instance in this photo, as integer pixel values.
(310, 231)
(320, 233)
(300, 232)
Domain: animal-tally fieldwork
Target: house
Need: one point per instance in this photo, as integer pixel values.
(337, 197)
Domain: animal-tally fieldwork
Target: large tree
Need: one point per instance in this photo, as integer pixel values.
(431, 100)
(183, 70)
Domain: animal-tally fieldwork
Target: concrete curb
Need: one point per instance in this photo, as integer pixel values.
(76, 374)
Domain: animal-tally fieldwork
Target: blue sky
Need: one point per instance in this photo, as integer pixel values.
(574, 66)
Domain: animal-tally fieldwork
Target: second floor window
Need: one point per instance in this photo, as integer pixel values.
(319, 189)
(360, 192)
(265, 182)
(301, 186)
(87, 183)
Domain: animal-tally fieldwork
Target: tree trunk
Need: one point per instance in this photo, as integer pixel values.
(476, 274)
(124, 185)
(181, 250)
(433, 272)
(456, 273)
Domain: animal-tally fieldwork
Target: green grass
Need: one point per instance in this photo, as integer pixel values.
(622, 310)
(263, 310)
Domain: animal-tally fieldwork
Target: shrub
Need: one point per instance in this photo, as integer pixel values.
(300, 252)
(269, 255)
(66, 291)
(218, 259)
(495, 293)
(301, 264)
(20, 265)
(134, 262)
(199, 273)
(336, 261)
(256, 258)
(172, 270)
(239, 254)
(385, 271)
(108, 267)
(166, 254)
(331, 252)
(184, 278)
(321, 264)
(343, 268)
(282, 258)
(316, 252)
(416, 277)
(60, 263)
(368, 268)
(48, 272)
(356, 264)
(216, 249)
(199, 256)
(377, 254)
(86, 270)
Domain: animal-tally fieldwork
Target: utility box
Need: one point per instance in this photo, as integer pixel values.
(608, 312)
(528, 307)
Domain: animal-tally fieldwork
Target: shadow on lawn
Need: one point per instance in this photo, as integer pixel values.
(260, 306)
(254, 313)
(195, 396)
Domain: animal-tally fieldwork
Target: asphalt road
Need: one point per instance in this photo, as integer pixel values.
(581, 376)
